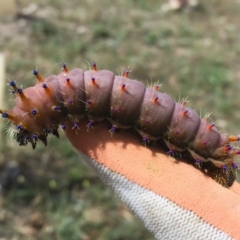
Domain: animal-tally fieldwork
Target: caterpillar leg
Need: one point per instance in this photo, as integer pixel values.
(222, 171)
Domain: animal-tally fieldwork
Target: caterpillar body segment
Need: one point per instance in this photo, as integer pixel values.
(98, 88)
(127, 97)
(126, 103)
(156, 112)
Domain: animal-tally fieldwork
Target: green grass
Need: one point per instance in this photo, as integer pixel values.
(194, 54)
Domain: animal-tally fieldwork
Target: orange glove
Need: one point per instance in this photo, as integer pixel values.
(173, 199)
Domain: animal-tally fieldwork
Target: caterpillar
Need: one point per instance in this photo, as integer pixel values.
(99, 94)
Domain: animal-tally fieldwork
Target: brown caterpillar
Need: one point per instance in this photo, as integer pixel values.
(98, 94)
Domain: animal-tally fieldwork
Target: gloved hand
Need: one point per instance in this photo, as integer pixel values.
(172, 198)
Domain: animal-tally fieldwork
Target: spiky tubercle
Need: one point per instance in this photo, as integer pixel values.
(98, 94)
